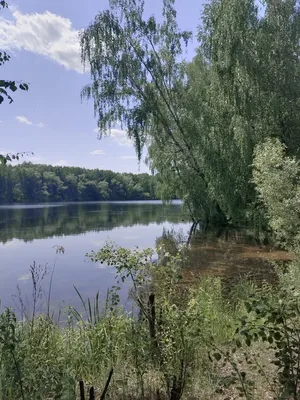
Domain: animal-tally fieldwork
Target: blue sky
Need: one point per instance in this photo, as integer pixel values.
(42, 38)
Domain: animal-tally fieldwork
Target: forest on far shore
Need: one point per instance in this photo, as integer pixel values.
(32, 183)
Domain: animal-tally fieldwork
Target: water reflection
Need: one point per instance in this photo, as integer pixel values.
(38, 222)
(29, 234)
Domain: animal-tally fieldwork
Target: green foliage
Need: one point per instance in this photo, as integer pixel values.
(134, 68)
(11, 85)
(247, 104)
(151, 352)
(4, 159)
(277, 180)
(178, 342)
(277, 323)
(4, 84)
(139, 75)
(178, 320)
(38, 183)
(266, 344)
(201, 120)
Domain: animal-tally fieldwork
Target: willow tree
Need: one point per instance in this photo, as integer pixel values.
(253, 91)
(139, 80)
(201, 120)
(175, 173)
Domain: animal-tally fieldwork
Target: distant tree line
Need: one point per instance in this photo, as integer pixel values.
(32, 183)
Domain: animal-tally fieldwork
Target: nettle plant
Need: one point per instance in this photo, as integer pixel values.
(279, 327)
(274, 321)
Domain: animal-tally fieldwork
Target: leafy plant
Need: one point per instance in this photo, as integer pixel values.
(8, 344)
(170, 334)
(277, 323)
(4, 84)
(4, 159)
(272, 320)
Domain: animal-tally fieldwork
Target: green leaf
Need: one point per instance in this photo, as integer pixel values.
(270, 339)
(23, 86)
(277, 335)
(13, 86)
(217, 356)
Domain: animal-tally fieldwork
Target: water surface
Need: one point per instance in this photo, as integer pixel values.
(30, 233)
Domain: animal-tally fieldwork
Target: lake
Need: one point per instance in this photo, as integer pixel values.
(29, 233)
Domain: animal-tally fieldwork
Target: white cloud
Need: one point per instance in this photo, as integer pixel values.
(97, 152)
(23, 120)
(24, 277)
(60, 163)
(26, 121)
(118, 135)
(128, 158)
(47, 34)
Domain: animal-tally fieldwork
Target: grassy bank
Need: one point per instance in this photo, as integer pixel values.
(189, 343)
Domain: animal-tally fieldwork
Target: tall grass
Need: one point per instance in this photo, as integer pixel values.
(183, 344)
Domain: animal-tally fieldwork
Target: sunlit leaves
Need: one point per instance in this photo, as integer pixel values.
(277, 180)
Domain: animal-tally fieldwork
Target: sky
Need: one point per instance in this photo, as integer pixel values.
(50, 120)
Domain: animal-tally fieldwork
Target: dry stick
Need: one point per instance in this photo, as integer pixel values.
(152, 318)
(19, 374)
(107, 384)
(92, 393)
(176, 391)
(50, 287)
(81, 388)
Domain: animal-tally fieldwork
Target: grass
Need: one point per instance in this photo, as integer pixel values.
(183, 344)
(53, 358)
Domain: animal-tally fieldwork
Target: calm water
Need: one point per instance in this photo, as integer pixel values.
(28, 234)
